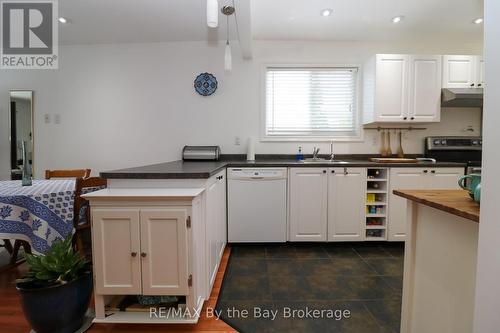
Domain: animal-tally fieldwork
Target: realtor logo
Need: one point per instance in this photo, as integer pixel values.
(29, 35)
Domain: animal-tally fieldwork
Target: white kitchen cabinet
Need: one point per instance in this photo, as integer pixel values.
(308, 204)
(463, 71)
(413, 179)
(116, 238)
(164, 251)
(402, 88)
(215, 223)
(140, 251)
(424, 89)
(346, 204)
(148, 241)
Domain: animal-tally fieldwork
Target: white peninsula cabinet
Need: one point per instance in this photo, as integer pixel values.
(402, 88)
(463, 71)
(413, 179)
(157, 238)
(326, 204)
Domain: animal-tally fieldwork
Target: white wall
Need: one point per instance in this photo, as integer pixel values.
(134, 104)
(487, 319)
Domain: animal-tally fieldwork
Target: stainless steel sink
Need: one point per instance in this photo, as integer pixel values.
(322, 161)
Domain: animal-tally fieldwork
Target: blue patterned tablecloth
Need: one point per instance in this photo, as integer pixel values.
(40, 214)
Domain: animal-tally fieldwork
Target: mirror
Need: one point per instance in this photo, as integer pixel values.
(21, 129)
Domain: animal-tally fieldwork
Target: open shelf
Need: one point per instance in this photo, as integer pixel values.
(377, 186)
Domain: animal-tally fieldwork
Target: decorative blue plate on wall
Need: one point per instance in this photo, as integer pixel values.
(205, 84)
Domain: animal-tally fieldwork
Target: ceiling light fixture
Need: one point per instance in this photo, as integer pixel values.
(326, 12)
(212, 13)
(228, 60)
(478, 20)
(63, 20)
(397, 19)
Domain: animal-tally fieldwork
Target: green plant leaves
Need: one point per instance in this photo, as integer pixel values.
(59, 265)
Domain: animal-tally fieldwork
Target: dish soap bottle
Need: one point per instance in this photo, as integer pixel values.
(300, 155)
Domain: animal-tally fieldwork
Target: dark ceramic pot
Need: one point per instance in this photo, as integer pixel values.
(56, 309)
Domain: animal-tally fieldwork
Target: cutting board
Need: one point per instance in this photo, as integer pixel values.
(393, 160)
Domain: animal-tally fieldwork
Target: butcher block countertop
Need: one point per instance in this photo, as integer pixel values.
(457, 202)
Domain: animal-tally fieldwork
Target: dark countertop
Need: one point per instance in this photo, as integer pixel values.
(203, 170)
(456, 202)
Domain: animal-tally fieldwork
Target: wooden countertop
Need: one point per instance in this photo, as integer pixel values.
(457, 202)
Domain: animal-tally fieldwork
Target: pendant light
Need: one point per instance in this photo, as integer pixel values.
(228, 59)
(212, 13)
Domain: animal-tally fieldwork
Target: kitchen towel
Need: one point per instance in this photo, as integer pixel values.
(251, 149)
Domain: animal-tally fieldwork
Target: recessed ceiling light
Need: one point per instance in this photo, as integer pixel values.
(326, 12)
(478, 20)
(63, 20)
(397, 19)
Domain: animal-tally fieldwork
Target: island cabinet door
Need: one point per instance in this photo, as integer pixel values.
(116, 247)
(164, 251)
(346, 204)
(308, 204)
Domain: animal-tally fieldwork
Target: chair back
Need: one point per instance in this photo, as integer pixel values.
(76, 173)
(83, 186)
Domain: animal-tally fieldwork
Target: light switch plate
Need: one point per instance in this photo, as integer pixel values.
(57, 118)
(46, 118)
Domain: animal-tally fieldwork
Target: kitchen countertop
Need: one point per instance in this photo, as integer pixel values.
(456, 202)
(203, 170)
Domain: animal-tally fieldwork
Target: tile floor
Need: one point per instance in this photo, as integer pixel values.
(364, 278)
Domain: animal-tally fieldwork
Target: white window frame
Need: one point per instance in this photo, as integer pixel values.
(265, 137)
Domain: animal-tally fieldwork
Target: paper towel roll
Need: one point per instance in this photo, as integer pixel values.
(251, 149)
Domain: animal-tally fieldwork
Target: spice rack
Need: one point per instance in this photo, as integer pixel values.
(377, 186)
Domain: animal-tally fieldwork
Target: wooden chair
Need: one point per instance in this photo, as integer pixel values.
(14, 250)
(82, 211)
(77, 173)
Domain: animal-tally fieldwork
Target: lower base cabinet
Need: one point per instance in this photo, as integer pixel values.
(151, 244)
(412, 179)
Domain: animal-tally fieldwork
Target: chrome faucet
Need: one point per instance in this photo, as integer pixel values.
(315, 153)
(332, 154)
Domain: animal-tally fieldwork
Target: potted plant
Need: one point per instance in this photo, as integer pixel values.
(56, 291)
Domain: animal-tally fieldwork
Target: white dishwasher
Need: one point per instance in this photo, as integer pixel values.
(256, 205)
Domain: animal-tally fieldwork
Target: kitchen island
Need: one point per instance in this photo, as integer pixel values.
(440, 261)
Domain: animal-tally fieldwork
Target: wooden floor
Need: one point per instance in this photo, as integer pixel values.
(12, 318)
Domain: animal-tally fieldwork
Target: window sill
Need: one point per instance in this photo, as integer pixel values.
(311, 139)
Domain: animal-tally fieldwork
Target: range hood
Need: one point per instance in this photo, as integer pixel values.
(462, 97)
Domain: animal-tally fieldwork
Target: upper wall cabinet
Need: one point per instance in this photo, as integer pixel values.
(463, 71)
(402, 88)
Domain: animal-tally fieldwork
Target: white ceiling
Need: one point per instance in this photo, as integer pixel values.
(139, 21)
(367, 20)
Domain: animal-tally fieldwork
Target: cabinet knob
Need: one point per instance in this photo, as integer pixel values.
(479, 85)
(333, 171)
(472, 84)
(133, 254)
(433, 171)
(425, 171)
(404, 118)
(143, 254)
(324, 171)
(412, 118)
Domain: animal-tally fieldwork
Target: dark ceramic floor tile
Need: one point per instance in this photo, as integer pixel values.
(396, 249)
(371, 250)
(247, 266)
(252, 287)
(386, 266)
(387, 313)
(340, 250)
(395, 282)
(248, 251)
(333, 267)
(368, 288)
(327, 287)
(306, 251)
(278, 266)
(289, 288)
(284, 251)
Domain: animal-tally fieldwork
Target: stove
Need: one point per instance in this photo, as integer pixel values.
(461, 149)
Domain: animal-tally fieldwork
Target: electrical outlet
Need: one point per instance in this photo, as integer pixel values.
(237, 141)
(46, 118)
(57, 118)
(374, 140)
